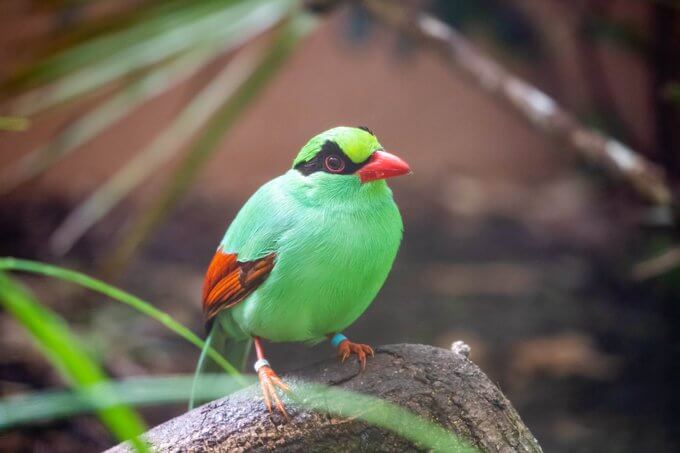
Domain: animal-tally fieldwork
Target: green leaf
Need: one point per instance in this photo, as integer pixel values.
(164, 147)
(231, 25)
(13, 264)
(63, 350)
(141, 391)
(164, 390)
(103, 116)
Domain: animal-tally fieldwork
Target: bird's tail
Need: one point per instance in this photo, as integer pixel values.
(235, 351)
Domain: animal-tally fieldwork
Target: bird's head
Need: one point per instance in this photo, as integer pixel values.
(349, 152)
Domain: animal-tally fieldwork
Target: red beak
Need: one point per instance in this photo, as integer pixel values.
(383, 165)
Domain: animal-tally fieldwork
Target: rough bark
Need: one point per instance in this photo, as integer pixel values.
(441, 385)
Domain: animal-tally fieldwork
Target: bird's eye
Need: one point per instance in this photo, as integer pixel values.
(334, 164)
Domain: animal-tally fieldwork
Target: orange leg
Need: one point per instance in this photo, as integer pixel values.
(346, 348)
(269, 381)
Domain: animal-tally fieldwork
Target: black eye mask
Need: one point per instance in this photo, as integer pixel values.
(321, 163)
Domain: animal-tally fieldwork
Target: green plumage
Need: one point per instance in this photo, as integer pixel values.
(335, 239)
(357, 144)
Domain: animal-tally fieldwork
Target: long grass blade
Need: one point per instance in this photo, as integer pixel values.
(63, 350)
(146, 308)
(204, 147)
(163, 390)
(236, 23)
(143, 391)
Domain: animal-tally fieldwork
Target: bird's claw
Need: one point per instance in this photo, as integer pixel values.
(347, 348)
(269, 383)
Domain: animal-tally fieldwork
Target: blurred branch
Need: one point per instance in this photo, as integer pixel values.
(658, 265)
(542, 111)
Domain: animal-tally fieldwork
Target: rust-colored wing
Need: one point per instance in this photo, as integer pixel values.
(229, 281)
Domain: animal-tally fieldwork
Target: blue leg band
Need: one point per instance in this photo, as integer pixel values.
(337, 339)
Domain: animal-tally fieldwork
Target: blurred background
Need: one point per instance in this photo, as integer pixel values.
(135, 129)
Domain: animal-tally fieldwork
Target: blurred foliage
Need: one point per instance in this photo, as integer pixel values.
(358, 27)
(606, 118)
(165, 146)
(206, 144)
(144, 50)
(52, 405)
(153, 26)
(146, 56)
(63, 350)
(95, 393)
(505, 23)
(625, 35)
(101, 117)
(13, 123)
(146, 308)
(672, 92)
(163, 390)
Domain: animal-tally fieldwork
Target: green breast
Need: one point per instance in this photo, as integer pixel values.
(335, 248)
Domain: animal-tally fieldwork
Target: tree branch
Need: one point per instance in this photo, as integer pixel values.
(647, 178)
(440, 385)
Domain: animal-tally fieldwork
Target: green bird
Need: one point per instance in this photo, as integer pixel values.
(306, 255)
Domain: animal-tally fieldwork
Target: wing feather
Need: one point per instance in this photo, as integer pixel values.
(229, 281)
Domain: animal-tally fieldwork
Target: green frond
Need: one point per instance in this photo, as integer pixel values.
(64, 351)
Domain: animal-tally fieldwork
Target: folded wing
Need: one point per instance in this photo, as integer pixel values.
(229, 281)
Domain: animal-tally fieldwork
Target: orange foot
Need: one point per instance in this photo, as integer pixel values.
(347, 348)
(269, 382)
